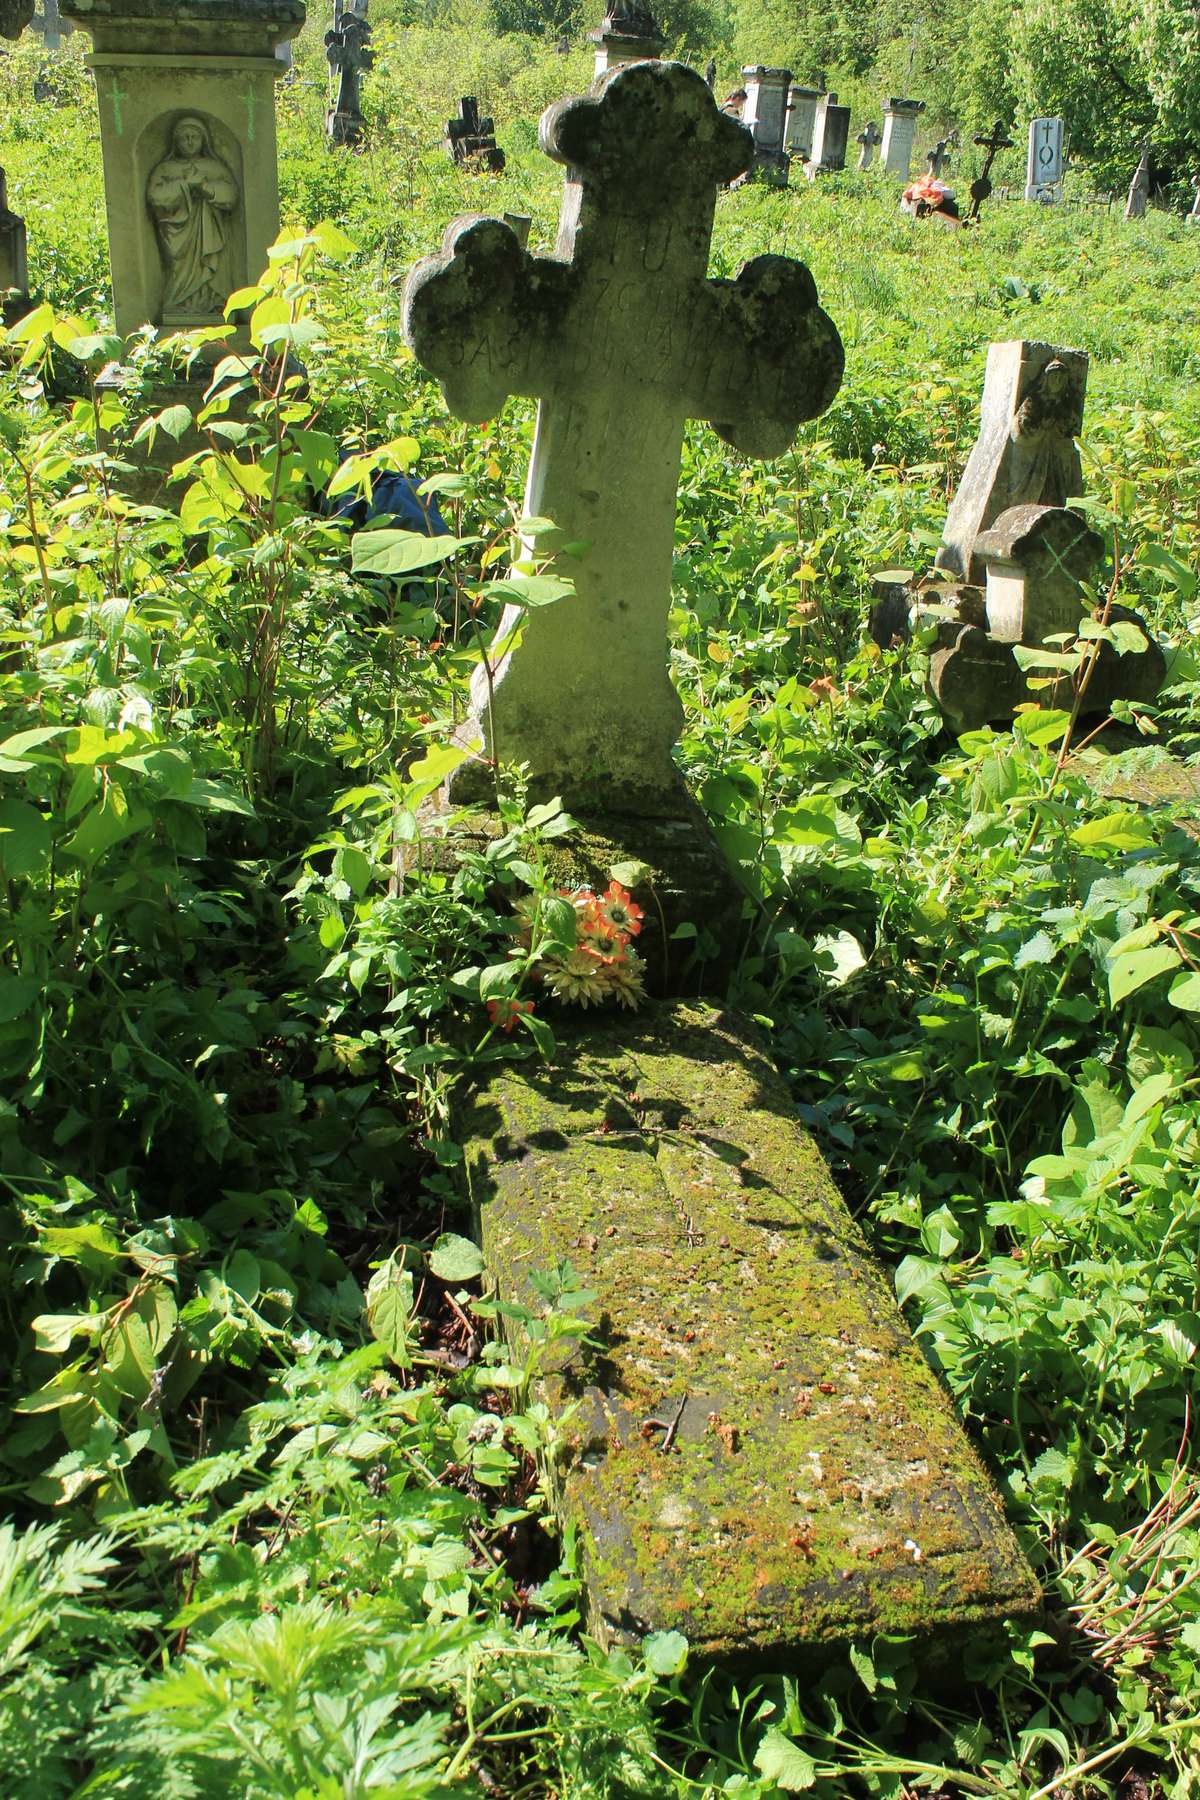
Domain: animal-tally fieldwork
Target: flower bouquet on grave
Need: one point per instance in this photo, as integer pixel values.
(601, 966)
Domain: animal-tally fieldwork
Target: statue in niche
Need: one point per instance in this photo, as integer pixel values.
(1045, 469)
(192, 195)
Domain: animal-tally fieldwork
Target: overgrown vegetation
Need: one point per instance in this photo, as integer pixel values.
(275, 1524)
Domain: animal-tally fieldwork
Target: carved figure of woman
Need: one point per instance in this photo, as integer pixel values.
(1044, 469)
(191, 195)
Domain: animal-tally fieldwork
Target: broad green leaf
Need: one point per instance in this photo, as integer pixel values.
(785, 1763)
(392, 552)
(1184, 991)
(26, 838)
(455, 1258)
(1135, 968)
(665, 1652)
(1115, 831)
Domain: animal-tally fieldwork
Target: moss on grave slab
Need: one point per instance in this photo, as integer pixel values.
(819, 1485)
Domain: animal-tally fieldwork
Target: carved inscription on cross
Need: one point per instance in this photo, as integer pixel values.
(622, 338)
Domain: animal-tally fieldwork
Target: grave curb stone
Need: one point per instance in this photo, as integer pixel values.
(819, 1485)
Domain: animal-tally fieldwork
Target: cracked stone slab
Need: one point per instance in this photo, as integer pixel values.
(818, 1485)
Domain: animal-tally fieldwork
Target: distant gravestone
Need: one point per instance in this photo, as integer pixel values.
(938, 158)
(1139, 187)
(899, 135)
(1025, 452)
(765, 113)
(1193, 218)
(187, 128)
(50, 25)
(349, 55)
(471, 139)
(628, 33)
(14, 268)
(867, 139)
(1024, 560)
(831, 135)
(623, 338)
(1044, 166)
(710, 74)
(801, 122)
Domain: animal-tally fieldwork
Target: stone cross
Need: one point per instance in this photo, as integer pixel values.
(622, 337)
(991, 145)
(1044, 167)
(868, 138)
(938, 157)
(349, 57)
(1193, 217)
(472, 138)
(899, 135)
(1139, 187)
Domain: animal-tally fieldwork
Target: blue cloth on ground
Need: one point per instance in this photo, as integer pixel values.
(394, 497)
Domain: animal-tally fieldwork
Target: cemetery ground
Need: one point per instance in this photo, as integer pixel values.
(271, 1477)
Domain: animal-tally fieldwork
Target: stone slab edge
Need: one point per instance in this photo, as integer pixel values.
(820, 1486)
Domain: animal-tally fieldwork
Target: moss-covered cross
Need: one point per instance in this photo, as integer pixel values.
(623, 338)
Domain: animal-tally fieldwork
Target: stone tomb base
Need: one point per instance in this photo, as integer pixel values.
(762, 1458)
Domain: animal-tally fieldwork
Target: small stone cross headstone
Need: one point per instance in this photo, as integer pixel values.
(1139, 187)
(348, 53)
(622, 337)
(867, 139)
(472, 138)
(991, 145)
(1193, 217)
(1044, 167)
(938, 157)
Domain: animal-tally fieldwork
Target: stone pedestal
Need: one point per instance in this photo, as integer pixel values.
(186, 90)
(801, 122)
(831, 134)
(14, 271)
(628, 34)
(765, 112)
(1044, 167)
(899, 135)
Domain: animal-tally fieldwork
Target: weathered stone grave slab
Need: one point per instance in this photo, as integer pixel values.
(801, 119)
(831, 134)
(765, 113)
(816, 1483)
